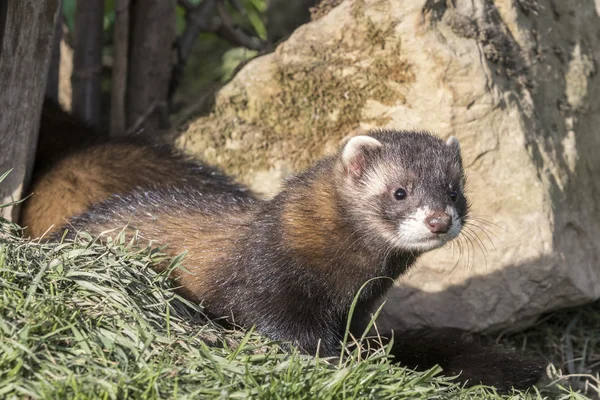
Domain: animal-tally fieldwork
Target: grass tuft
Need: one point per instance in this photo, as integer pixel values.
(88, 320)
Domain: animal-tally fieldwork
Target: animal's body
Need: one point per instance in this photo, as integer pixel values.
(292, 265)
(76, 168)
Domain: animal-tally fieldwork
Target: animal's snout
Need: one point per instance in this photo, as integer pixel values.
(439, 222)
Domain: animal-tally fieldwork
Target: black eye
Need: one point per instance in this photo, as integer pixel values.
(400, 194)
(453, 195)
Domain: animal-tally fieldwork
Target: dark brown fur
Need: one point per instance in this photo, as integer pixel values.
(75, 168)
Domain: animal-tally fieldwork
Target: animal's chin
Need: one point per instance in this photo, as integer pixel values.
(428, 243)
(431, 244)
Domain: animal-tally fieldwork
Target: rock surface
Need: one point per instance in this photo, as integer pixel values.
(515, 80)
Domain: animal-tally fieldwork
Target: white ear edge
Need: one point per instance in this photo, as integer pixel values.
(453, 142)
(354, 146)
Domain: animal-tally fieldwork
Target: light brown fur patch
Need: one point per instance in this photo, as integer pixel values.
(208, 239)
(89, 176)
(315, 230)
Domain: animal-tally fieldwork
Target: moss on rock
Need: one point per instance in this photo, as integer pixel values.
(287, 109)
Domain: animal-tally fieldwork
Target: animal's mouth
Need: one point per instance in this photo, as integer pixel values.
(436, 240)
(451, 234)
(444, 238)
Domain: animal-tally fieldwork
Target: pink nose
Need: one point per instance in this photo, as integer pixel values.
(438, 222)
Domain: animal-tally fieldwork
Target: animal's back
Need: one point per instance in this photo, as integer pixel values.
(74, 170)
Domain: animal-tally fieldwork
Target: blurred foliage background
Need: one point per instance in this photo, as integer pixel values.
(213, 59)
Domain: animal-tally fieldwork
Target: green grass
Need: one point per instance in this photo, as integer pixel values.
(570, 340)
(89, 320)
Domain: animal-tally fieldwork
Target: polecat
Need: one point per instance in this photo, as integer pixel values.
(76, 167)
(292, 265)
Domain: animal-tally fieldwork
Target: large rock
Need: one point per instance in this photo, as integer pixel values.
(515, 81)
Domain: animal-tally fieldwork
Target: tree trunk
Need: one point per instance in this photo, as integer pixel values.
(87, 61)
(118, 124)
(150, 64)
(54, 69)
(27, 30)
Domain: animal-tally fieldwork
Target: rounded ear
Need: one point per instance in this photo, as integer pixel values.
(354, 155)
(453, 142)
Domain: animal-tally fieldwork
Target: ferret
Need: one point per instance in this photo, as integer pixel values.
(76, 167)
(292, 265)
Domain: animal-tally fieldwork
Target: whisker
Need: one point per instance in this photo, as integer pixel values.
(485, 221)
(477, 238)
(470, 248)
(467, 250)
(457, 244)
(472, 239)
(453, 246)
(481, 225)
(485, 232)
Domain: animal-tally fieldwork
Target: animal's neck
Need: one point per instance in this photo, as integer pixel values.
(325, 241)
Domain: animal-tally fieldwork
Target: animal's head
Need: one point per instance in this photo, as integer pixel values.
(405, 187)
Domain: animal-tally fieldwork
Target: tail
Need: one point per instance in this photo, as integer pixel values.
(474, 358)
